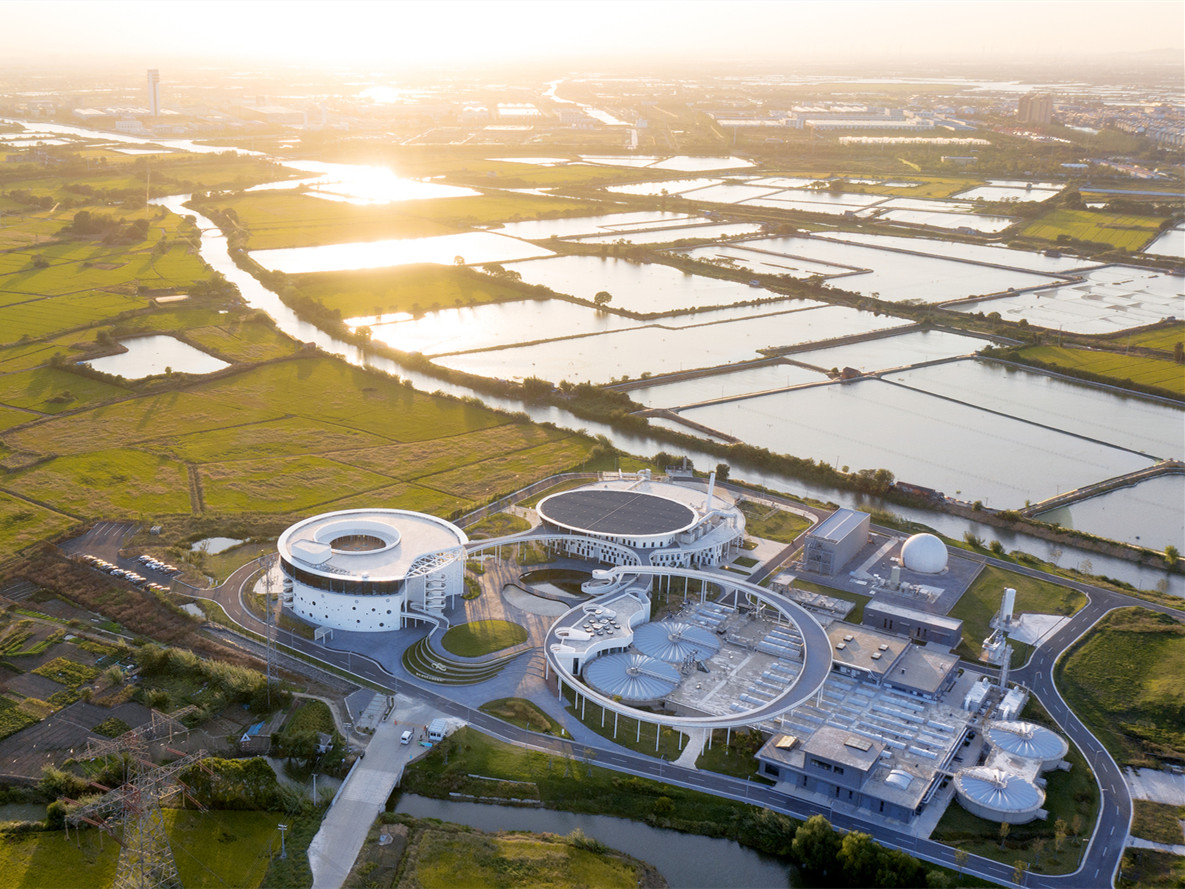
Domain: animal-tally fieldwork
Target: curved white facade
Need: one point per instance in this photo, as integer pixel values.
(371, 570)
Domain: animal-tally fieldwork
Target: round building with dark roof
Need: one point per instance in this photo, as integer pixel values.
(661, 523)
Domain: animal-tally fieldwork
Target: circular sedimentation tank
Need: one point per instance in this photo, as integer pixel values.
(998, 795)
(1029, 741)
(630, 676)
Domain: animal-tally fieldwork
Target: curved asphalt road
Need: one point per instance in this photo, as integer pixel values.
(1103, 853)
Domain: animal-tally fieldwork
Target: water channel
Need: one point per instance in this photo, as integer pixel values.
(687, 861)
(255, 295)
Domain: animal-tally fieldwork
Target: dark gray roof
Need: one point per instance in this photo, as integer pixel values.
(617, 512)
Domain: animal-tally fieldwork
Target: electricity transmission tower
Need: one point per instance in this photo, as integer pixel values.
(132, 813)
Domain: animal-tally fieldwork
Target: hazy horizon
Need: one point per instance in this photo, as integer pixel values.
(406, 37)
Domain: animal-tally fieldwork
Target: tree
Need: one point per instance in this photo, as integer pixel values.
(961, 856)
(603, 298)
(722, 470)
(816, 845)
(1018, 871)
(1171, 554)
(860, 858)
(1005, 828)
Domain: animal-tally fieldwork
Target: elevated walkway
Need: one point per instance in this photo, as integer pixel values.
(1165, 467)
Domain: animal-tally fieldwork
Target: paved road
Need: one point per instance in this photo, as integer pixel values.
(1103, 853)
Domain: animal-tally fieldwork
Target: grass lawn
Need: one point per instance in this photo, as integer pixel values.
(1116, 229)
(1126, 680)
(443, 856)
(1163, 373)
(212, 849)
(1151, 868)
(635, 734)
(500, 524)
(772, 523)
(1157, 822)
(524, 714)
(981, 601)
(409, 288)
(482, 637)
(735, 758)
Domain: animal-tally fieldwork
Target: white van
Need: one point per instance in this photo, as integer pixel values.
(405, 738)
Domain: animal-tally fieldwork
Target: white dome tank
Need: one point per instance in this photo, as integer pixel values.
(925, 554)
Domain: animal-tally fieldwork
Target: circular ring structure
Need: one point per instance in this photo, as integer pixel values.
(568, 644)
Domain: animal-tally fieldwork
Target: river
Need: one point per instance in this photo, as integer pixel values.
(214, 252)
(687, 861)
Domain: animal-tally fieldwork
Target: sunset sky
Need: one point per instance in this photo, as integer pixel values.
(449, 32)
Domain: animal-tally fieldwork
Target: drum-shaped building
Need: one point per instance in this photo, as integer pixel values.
(371, 570)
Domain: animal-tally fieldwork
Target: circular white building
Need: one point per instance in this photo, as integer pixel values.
(639, 521)
(371, 570)
(925, 554)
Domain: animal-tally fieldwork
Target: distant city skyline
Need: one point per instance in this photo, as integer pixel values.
(410, 35)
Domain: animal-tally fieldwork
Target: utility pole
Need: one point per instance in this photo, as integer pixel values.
(268, 564)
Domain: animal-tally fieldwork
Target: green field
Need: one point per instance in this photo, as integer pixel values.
(1126, 681)
(482, 637)
(309, 433)
(982, 600)
(413, 289)
(23, 523)
(275, 219)
(52, 390)
(1118, 230)
(1163, 338)
(212, 849)
(1162, 373)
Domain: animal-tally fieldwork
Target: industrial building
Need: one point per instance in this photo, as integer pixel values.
(921, 626)
(371, 570)
(833, 542)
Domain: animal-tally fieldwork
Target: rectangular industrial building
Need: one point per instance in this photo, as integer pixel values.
(919, 625)
(835, 541)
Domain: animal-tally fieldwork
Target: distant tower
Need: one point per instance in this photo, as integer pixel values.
(1035, 108)
(154, 92)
